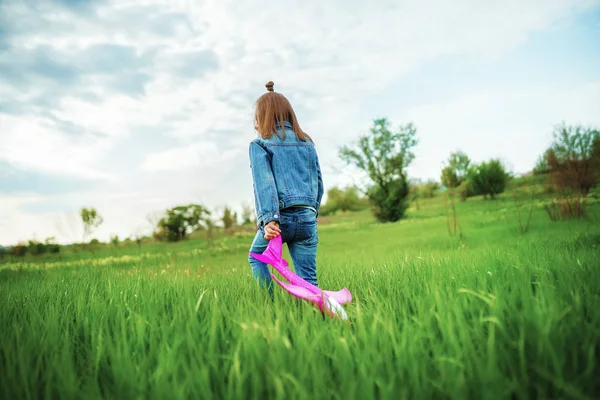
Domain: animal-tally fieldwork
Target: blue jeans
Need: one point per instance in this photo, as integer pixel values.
(299, 230)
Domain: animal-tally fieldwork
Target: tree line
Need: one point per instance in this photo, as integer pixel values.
(570, 167)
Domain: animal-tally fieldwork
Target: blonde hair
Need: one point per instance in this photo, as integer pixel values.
(273, 109)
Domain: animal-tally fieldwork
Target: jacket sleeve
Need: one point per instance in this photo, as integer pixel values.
(321, 189)
(265, 190)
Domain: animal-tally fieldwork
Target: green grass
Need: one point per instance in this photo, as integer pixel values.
(486, 314)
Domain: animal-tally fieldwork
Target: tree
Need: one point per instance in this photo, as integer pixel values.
(114, 240)
(384, 155)
(51, 246)
(487, 178)
(179, 221)
(573, 158)
(138, 236)
(91, 220)
(209, 225)
(229, 218)
(456, 169)
(542, 165)
(247, 215)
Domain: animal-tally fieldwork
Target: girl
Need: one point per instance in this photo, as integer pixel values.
(288, 186)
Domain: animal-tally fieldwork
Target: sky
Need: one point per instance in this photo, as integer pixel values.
(133, 107)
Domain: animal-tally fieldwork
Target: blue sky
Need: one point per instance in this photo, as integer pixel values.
(133, 107)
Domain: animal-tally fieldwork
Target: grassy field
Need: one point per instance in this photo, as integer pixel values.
(486, 314)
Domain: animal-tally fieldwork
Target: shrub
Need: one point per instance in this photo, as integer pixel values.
(488, 178)
(18, 250)
(347, 199)
(463, 190)
(390, 203)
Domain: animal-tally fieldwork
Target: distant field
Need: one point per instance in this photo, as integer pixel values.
(488, 313)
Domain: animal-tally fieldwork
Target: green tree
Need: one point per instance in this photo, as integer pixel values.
(229, 218)
(114, 240)
(542, 165)
(488, 178)
(247, 215)
(91, 220)
(179, 221)
(573, 158)
(456, 169)
(384, 155)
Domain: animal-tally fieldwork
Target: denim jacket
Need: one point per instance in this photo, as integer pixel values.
(286, 173)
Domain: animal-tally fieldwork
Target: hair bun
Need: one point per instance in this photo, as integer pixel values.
(270, 85)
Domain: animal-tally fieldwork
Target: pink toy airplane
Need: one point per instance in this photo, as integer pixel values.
(325, 300)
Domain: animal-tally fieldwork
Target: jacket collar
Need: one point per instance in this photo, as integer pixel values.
(285, 123)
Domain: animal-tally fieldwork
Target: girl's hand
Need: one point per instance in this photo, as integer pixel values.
(272, 230)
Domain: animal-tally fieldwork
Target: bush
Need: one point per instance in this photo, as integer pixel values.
(344, 200)
(53, 248)
(428, 189)
(18, 250)
(36, 248)
(564, 208)
(488, 178)
(595, 192)
(114, 240)
(390, 203)
(463, 190)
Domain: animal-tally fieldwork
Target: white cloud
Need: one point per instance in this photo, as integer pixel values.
(180, 158)
(512, 124)
(28, 143)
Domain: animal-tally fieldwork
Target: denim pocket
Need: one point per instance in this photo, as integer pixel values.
(307, 217)
(308, 234)
(307, 226)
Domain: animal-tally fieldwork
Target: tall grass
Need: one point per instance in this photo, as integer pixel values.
(499, 316)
